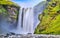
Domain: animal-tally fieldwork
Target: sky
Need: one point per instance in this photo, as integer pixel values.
(27, 3)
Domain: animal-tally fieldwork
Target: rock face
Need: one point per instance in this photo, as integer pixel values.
(30, 36)
(38, 9)
(49, 19)
(8, 16)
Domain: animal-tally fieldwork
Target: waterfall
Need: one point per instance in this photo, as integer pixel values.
(28, 20)
(25, 21)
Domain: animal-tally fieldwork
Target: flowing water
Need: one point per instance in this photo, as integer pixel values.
(25, 22)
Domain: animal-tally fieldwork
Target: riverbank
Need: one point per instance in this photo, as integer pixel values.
(30, 36)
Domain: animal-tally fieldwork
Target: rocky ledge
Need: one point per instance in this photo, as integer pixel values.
(30, 36)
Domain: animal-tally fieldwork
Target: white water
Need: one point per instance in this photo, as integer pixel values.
(26, 26)
(30, 20)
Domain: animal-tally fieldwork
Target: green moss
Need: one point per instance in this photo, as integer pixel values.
(8, 3)
(3, 11)
(5, 5)
(50, 22)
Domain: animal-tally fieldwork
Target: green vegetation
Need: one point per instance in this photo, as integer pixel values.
(8, 3)
(50, 19)
(3, 11)
(6, 6)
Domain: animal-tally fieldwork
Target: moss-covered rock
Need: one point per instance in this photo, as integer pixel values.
(50, 19)
(5, 2)
(8, 14)
(5, 5)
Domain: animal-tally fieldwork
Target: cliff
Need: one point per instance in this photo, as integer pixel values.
(38, 9)
(49, 19)
(8, 15)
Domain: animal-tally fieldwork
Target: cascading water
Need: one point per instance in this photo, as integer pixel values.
(25, 21)
(28, 20)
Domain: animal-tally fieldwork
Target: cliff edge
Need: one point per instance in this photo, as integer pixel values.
(8, 15)
(49, 19)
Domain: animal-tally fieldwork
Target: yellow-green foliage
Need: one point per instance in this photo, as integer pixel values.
(8, 3)
(3, 11)
(4, 7)
(50, 19)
